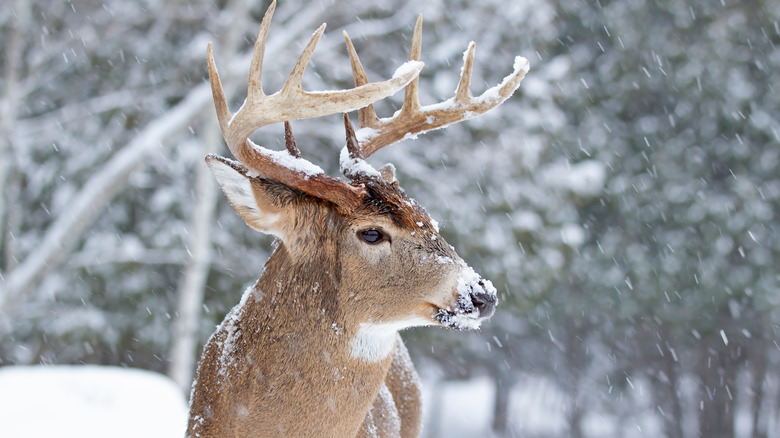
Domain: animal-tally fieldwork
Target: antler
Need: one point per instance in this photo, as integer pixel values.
(414, 119)
(293, 103)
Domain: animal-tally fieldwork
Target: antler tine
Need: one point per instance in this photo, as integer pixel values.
(366, 115)
(462, 92)
(414, 119)
(353, 147)
(289, 141)
(217, 92)
(295, 80)
(255, 88)
(411, 94)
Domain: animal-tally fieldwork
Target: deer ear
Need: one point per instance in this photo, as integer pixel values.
(247, 195)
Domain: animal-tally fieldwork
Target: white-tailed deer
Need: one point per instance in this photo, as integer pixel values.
(312, 349)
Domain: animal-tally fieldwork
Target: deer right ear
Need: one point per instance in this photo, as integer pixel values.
(255, 206)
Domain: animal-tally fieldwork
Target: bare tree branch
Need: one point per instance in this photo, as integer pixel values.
(9, 103)
(97, 191)
(183, 353)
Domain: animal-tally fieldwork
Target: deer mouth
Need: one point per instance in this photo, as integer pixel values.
(476, 301)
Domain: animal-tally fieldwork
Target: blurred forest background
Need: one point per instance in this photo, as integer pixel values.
(625, 201)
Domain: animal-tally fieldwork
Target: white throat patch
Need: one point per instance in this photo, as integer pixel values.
(375, 341)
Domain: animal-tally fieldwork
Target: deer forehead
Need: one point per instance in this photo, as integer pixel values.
(387, 199)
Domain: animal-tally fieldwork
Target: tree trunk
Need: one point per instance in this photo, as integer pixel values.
(674, 423)
(666, 391)
(718, 369)
(9, 103)
(501, 406)
(759, 359)
(575, 361)
(576, 413)
(432, 427)
(193, 284)
(91, 199)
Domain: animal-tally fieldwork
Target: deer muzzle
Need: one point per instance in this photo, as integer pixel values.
(483, 299)
(476, 301)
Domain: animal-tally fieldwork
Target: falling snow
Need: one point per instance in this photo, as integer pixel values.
(624, 202)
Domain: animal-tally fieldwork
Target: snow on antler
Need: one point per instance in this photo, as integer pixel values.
(413, 119)
(293, 103)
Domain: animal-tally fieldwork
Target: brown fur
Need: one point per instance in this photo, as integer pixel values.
(281, 364)
(300, 355)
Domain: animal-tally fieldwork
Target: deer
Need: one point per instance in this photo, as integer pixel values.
(313, 347)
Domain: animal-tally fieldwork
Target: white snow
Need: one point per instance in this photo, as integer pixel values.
(365, 134)
(527, 221)
(407, 68)
(352, 167)
(388, 415)
(521, 64)
(443, 260)
(227, 359)
(434, 224)
(584, 179)
(469, 280)
(537, 408)
(520, 68)
(284, 158)
(87, 401)
(572, 235)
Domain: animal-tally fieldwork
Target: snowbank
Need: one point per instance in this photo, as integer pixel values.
(89, 401)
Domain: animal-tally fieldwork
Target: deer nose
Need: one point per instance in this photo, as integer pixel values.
(484, 301)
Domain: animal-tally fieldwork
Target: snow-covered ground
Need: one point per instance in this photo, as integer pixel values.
(537, 408)
(461, 409)
(89, 402)
(97, 402)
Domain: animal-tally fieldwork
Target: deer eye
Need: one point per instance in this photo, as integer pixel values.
(371, 235)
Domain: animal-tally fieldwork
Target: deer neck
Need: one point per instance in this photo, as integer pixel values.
(286, 296)
(291, 287)
(288, 358)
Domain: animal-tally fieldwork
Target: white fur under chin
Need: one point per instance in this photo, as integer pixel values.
(375, 341)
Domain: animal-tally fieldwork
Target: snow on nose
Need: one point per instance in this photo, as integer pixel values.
(476, 302)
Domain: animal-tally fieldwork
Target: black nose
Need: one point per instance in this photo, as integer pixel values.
(484, 302)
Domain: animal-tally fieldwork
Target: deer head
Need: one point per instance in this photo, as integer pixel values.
(356, 257)
(396, 270)
(380, 249)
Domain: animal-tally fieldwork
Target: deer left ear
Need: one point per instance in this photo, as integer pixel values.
(256, 206)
